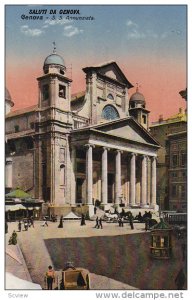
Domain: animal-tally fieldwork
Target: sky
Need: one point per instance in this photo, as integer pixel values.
(148, 42)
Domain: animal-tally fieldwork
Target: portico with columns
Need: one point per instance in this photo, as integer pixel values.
(112, 168)
(90, 147)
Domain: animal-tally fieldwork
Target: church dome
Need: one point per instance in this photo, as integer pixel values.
(54, 59)
(8, 101)
(8, 98)
(7, 95)
(137, 97)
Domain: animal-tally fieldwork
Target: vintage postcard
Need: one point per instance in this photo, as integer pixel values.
(96, 150)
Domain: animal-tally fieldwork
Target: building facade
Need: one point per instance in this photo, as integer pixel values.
(71, 150)
(172, 161)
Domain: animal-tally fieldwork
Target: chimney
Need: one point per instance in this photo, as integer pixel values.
(181, 110)
(160, 118)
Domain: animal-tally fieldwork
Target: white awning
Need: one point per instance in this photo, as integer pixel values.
(37, 207)
(14, 207)
(15, 283)
(71, 216)
(30, 208)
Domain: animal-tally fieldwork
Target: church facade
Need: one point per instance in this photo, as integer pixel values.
(76, 150)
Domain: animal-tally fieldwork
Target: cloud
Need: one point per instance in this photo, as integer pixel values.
(136, 33)
(130, 23)
(31, 32)
(71, 30)
(56, 22)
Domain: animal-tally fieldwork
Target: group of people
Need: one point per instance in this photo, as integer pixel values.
(121, 222)
(26, 223)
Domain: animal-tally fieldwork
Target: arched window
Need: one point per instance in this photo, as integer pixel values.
(109, 113)
(110, 96)
(132, 105)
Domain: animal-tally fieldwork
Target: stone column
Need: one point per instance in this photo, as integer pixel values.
(118, 176)
(144, 181)
(132, 179)
(153, 181)
(104, 181)
(89, 174)
(73, 177)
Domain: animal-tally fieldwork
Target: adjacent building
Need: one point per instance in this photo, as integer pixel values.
(172, 160)
(71, 150)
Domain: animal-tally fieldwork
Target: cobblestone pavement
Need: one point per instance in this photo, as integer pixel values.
(93, 249)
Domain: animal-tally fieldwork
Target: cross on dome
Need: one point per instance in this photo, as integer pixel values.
(54, 47)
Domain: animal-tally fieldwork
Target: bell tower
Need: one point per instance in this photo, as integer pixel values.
(54, 86)
(137, 109)
(53, 127)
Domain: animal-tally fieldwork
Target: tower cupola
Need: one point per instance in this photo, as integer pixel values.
(54, 63)
(8, 101)
(137, 100)
(137, 108)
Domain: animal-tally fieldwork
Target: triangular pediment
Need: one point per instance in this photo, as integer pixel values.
(110, 70)
(128, 129)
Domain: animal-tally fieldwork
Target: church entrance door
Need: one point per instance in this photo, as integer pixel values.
(111, 187)
(79, 190)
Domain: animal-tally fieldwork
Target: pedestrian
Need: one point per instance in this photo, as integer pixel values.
(131, 223)
(61, 222)
(146, 224)
(45, 222)
(95, 210)
(100, 223)
(6, 227)
(120, 221)
(180, 279)
(50, 277)
(83, 220)
(97, 222)
(25, 225)
(19, 226)
(13, 238)
(32, 221)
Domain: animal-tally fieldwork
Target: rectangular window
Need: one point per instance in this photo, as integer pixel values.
(118, 101)
(174, 190)
(16, 128)
(32, 125)
(183, 159)
(174, 160)
(144, 119)
(184, 174)
(62, 91)
(174, 174)
(183, 191)
(45, 92)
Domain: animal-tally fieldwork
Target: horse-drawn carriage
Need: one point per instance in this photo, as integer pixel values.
(75, 278)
